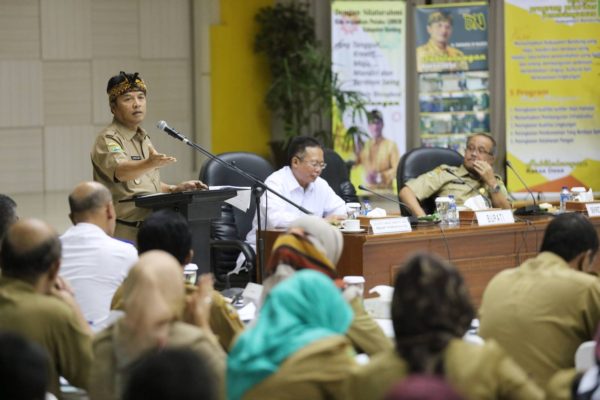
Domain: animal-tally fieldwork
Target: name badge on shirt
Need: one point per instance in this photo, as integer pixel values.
(136, 158)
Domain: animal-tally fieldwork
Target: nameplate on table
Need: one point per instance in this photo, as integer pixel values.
(390, 225)
(593, 209)
(495, 217)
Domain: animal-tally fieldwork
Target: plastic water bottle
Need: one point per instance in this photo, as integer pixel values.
(366, 207)
(452, 212)
(565, 196)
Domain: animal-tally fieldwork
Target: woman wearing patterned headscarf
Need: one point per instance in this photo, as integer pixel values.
(296, 349)
(312, 243)
(431, 311)
(153, 298)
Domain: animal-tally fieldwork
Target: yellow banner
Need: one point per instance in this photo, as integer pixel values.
(553, 93)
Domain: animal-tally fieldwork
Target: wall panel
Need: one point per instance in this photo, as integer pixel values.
(21, 93)
(66, 29)
(21, 160)
(67, 88)
(165, 29)
(67, 156)
(19, 29)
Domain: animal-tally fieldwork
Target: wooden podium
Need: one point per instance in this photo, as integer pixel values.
(198, 207)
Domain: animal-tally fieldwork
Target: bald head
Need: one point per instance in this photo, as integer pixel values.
(88, 197)
(91, 202)
(29, 250)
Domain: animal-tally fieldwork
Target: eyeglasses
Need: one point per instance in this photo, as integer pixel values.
(480, 150)
(315, 164)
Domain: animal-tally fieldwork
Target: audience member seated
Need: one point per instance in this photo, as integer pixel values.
(297, 348)
(475, 177)
(168, 231)
(153, 296)
(174, 374)
(543, 310)
(431, 311)
(423, 387)
(36, 303)
(8, 214)
(300, 182)
(23, 368)
(93, 262)
(312, 243)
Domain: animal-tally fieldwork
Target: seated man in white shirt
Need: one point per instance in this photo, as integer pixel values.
(300, 182)
(92, 261)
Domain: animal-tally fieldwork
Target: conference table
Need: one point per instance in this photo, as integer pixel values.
(479, 252)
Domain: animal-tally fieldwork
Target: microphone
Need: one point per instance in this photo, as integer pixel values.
(411, 218)
(463, 182)
(527, 210)
(162, 125)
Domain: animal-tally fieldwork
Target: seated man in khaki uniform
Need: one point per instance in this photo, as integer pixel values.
(474, 177)
(35, 303)
(124, 159)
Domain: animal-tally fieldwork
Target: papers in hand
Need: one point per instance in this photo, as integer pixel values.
(242, 200)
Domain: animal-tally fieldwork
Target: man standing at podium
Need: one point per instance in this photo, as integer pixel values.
(124, 159)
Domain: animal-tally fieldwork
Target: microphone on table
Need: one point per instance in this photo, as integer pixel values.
(162, 125)
(463, 182)
(527, 210)
(411, 218)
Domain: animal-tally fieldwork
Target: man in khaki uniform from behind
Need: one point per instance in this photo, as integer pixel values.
(124, 159)
(37, 304)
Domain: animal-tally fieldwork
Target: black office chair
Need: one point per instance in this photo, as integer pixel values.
(229, 232)
(338, 176)
(423, 159)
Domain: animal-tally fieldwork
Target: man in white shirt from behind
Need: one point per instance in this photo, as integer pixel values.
(92, 261)
(300, 182)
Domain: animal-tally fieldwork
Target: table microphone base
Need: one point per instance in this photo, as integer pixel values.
(529, 210)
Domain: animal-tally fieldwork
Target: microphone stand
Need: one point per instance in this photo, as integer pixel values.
(258, 188)
(527, 210)
(411, 218)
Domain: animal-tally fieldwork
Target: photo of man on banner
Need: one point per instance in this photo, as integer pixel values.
(451, 38)
(379, 156)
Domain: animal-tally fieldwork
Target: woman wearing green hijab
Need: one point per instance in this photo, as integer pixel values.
(297, 348)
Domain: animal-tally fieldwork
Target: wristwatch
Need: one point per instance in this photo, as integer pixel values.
(495, 189)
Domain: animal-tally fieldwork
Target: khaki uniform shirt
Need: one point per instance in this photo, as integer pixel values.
(540, 313)
(430, 58)
(478, 372)
(560, 386)
(115, 144)
(49, 322)
(318, 371)
(224, 319)
(364, 333)
(440, 182)
(110, 369)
